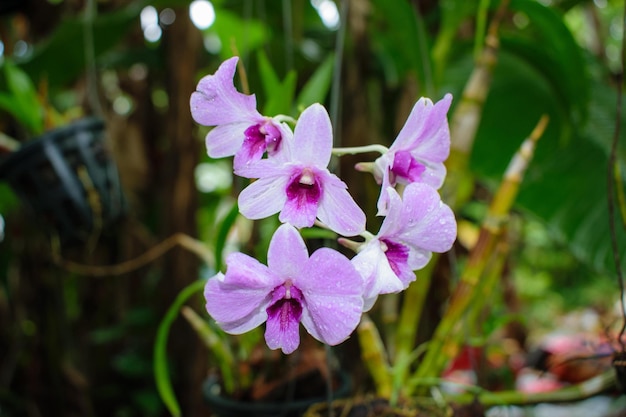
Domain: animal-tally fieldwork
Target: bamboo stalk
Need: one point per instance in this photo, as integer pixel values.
(445, 343)
(488, 283)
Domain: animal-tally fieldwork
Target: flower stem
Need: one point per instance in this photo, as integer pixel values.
(285, 118)
(360, 149)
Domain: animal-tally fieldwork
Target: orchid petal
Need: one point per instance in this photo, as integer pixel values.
(418, 258)
(263, 168)
(379, 278)
(426, 132)
(332, 290)
(338, 210)
(287, 252)
(434, 175)
(393, 223)
(262, 198)
(430, 223)
(383, 200)
(313, 137)
(237, 300)
(217, 102)
(284, 153)
(225, 140)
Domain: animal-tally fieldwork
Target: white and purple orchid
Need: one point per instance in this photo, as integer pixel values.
(298, 184)
(323, 292)
(416, 225)
(240, 129)
(418, 152)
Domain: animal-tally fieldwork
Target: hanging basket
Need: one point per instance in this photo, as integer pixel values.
(69, 180)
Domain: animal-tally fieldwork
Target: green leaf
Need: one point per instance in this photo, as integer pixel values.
(568, 190)
(279, 93)
(269, 79)
(317, 86)
(245, 34)
(565, 185)
(453, 13)
(21, 100)
(280, 101)
(559, 59)
(161, 373)
(393, 29)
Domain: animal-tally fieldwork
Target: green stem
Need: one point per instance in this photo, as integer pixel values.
(360, 149)
(285, 118)
(410, 315)
(374, 357)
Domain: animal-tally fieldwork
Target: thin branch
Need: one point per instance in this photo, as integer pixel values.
(178, 239)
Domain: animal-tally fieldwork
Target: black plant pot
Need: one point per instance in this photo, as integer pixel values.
(68, 180)
(223, 406)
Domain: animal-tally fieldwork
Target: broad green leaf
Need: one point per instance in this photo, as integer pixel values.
(316, 88)
(245, 35)
(453, 13)
(565, 185)
(394, 35)
(519, 95)
(559, 58)
(280, 101)
(269, 78)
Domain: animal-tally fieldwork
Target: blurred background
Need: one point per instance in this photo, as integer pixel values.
(76, 344)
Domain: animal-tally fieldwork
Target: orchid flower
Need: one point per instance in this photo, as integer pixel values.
(418, 152)
(298, 184)
(240, 129)
(416, 225)
(323, 291)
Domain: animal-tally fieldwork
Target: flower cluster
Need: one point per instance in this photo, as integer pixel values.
(326, 291)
